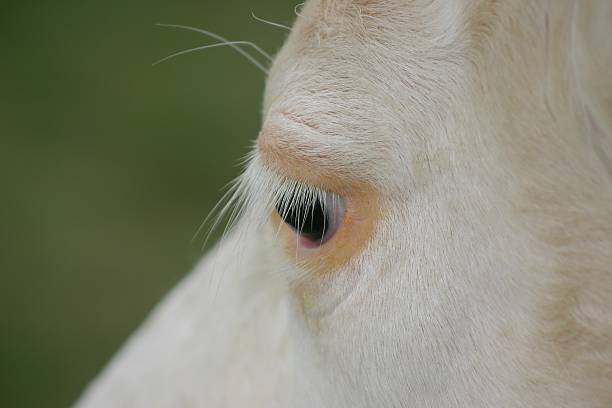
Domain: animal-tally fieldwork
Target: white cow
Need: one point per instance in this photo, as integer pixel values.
(426, 221)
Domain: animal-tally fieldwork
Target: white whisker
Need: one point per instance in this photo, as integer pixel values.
(204, 47)
(224, 40)
(298, 9)
(272, 23)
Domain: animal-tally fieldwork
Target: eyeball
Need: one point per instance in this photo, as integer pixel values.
(314, 218)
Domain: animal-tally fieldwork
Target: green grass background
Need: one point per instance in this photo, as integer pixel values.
(107, 167)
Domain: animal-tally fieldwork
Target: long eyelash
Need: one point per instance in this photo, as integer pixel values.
(246, 207)
(255, 194)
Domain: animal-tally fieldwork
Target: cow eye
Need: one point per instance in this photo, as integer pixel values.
(315, 220)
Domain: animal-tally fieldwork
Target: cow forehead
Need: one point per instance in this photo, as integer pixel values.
(439, 20)
(342, 45)
(363, 75)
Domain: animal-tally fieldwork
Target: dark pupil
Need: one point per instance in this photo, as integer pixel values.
(307, 219)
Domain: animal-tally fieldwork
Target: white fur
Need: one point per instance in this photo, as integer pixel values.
(487, 281)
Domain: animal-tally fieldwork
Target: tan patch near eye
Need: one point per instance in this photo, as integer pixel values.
(295, 147)
(279, 147)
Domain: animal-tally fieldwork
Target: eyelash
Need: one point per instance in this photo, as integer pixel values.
(258, 192)
(313, 215)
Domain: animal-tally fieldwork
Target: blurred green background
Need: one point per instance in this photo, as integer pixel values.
(107, 167)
